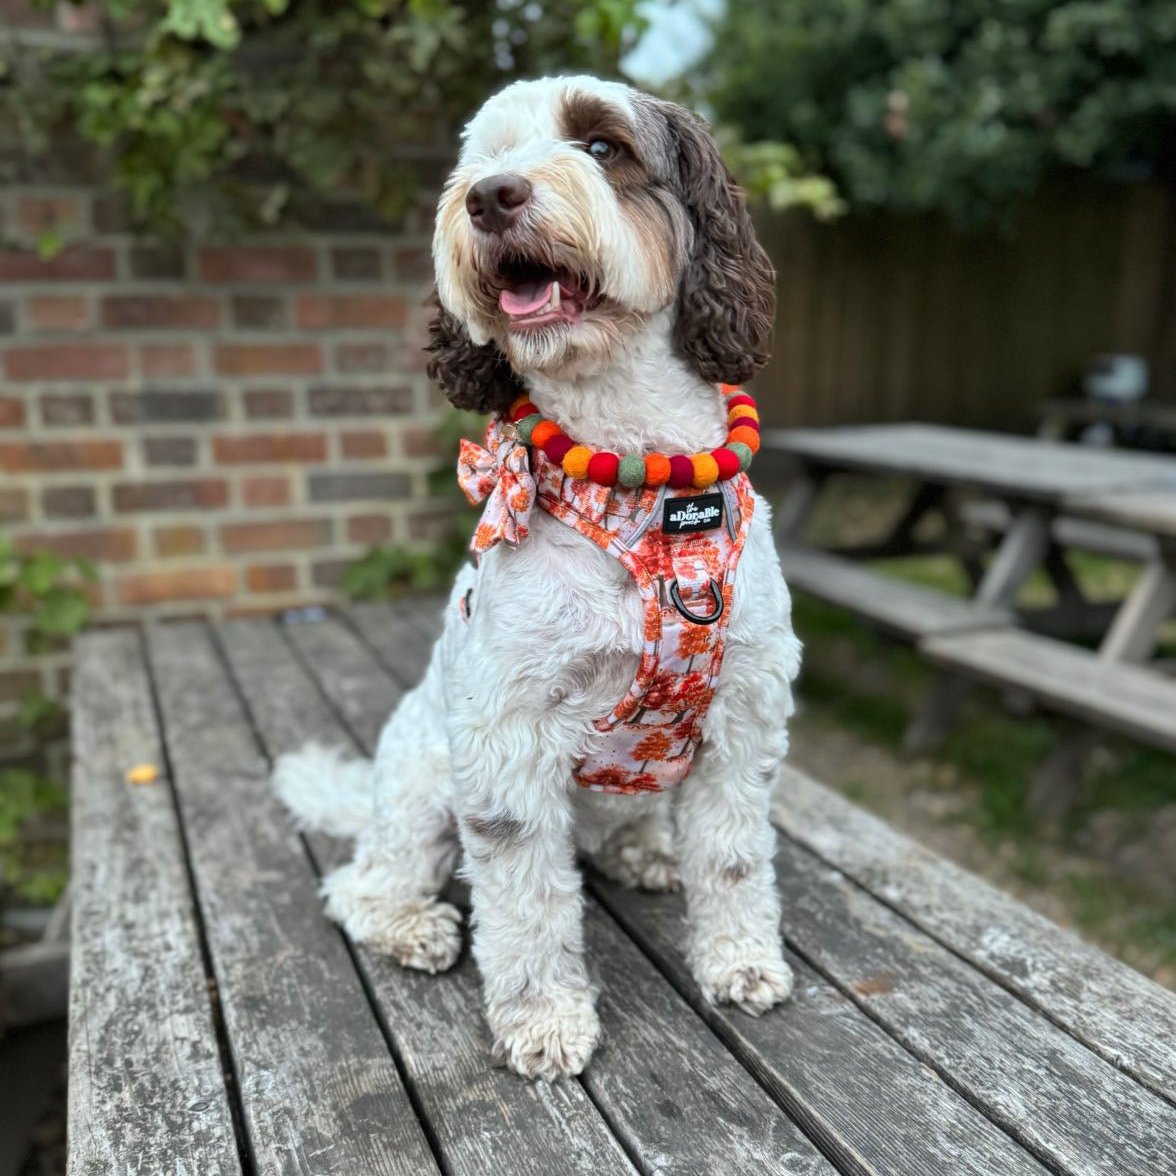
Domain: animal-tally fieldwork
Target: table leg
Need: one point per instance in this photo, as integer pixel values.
(1019, 554)
(1132, 636)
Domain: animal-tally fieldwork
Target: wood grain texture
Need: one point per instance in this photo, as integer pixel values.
(482, 1119)
(1123, 1016)
(1020, 467)
(1082, 533)
(896, 606)
(871, 1106)
(320, 1092)
(400, 637)
(1135, 700)
(147, 1092)
(1146, 510)
(1048, 1090)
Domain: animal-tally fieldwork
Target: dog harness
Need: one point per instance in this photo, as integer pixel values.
(680, 544)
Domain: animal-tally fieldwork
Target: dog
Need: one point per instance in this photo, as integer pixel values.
(595, 260)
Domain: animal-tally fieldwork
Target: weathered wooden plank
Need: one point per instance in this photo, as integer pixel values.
(1136, 700)
(399, 637)
(481, 1119)
(896, 606)
(1068, 532)
(1048, 1090)
(1022, 467)
(872, 1107)
(319, 1089)
(147, 1091)
(1123, 1016)
(678, 1100)
(1152, 510)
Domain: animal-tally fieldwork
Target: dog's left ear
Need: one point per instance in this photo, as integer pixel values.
(727, 293)
(474, 377)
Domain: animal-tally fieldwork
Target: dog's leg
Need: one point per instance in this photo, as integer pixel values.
(386, 897)
(513, 777)
(726, 843)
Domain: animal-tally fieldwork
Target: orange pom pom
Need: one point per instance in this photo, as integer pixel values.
(746, 436)
(657, 469)
(727, 389)
(575, 462)
(742, 410)
(542, 433)
(706, 469)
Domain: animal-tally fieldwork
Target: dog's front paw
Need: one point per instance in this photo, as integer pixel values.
(548, 1038)
(422, 933)
(755, 981)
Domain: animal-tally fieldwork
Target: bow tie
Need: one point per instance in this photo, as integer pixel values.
(500, 473)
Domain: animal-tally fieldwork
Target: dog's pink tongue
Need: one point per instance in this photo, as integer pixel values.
(526, 298)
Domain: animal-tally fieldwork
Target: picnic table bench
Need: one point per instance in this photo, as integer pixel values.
(219, 1024)
(1049, 496)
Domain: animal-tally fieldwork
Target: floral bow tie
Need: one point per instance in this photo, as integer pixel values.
(501, 471)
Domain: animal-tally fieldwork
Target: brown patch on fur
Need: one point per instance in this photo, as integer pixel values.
(497, 828)
(727, 295)
(738, 871)
(476, 378)
(585, 117)
(875, 985)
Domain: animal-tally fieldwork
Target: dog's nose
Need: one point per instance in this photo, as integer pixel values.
(496, 202)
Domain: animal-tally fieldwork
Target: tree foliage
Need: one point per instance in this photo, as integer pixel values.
(224, 112)
(951, 104)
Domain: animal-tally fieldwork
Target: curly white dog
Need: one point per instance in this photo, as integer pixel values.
(591, 250)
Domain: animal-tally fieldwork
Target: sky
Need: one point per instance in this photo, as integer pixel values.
(678, 36)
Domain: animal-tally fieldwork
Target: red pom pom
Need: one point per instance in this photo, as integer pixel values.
(744, 422)
(735, 401)
(727, 461)
(602, 468)
(556, 449)
(681, 471)
(522, 411)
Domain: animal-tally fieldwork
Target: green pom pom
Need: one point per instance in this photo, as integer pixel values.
(631, 471)
(526, 427)
(743, 452)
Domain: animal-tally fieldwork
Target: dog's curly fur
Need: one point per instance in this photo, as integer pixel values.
(669, 293)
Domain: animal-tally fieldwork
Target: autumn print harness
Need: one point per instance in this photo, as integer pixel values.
(680, 542)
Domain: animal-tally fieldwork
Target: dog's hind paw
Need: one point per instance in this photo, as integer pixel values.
(631, 859)
(546, 1039)
(424, 934)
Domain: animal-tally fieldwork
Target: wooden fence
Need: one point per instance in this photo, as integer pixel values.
(884, 317)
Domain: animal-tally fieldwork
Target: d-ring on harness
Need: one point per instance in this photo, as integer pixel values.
(716, 592)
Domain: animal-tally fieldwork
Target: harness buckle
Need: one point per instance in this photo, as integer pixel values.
(716, 591)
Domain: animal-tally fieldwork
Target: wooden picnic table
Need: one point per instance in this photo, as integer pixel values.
(1041, 485)
(220, 1024)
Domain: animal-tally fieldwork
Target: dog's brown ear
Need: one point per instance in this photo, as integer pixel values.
(473, 377)
(727, 293)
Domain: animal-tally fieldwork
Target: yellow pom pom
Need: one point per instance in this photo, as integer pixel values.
(575, 462)
(706, 470)
(742, 410)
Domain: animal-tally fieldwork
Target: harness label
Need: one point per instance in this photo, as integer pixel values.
(684, 516)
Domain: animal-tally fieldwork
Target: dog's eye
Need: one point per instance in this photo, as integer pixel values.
(601, 150)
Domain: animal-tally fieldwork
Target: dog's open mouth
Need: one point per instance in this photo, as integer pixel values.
(534, 295)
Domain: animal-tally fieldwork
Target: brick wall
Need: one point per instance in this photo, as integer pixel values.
(221, 428)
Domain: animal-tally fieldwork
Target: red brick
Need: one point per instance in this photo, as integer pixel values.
(79, 264)
(431, 524)
(288, 534)
(12, 412)
(414, 263)
(370, 528)
(237, 448)
(356, 264)
(213, 582)
(46, 456)
(317, 311)
(58, 312)
(161, 360)
(109, 544)
(258, 263)
(364, 445)
(418, 442)
(14, 504)
(269, 359)
(68, 502)
(271, 578)
(18, 684)
(41, 214)
(169, 451)
(79, 18)
(158, 261)
(172, 541)
(67, 409)
(69, 361)
(266, 490)
(179, 494)
(258, 312)
(361, 357)
(263, 404)
(153, 311)
(329, 573)
(343, 400)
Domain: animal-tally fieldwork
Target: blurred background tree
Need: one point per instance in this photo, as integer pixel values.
(952, 105)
